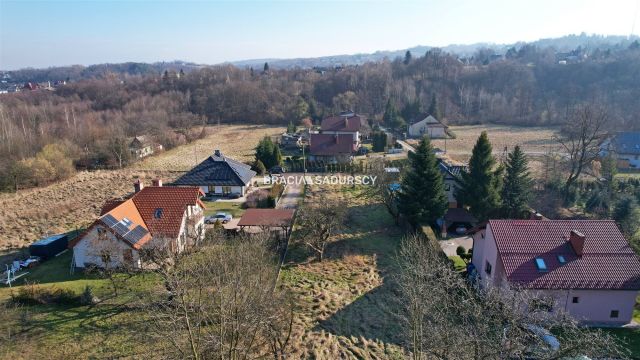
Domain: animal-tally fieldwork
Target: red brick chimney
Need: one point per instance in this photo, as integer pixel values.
(138, 185)
(577, 241)
(156, 182)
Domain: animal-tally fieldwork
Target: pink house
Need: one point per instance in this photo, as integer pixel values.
(584, 267)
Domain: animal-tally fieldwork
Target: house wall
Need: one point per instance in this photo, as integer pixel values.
(87, 251)
(450, 186)
(628, 160)
(421, 128)
(594, 306)
(356, 135)
(332, 159)
(487, 252)
(218, 190)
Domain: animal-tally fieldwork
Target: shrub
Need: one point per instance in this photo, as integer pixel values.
(259, 167)
(257, 199)
(461, 251)
(31, 294)
(87, 297)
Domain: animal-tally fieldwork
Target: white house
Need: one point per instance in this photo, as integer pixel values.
(625, 148)
(428, 126)
(171, 218)
(584, 268)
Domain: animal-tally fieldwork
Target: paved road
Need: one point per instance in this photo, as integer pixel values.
(449, 246)
(292, 195)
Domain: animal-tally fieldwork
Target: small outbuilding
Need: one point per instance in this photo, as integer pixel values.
(49, 247)
(273, 220)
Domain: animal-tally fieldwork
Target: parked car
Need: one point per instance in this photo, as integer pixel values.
(221, 216)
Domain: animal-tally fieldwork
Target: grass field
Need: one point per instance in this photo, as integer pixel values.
(233, 208)
(344, 302)
(74, 203)
(235, 141)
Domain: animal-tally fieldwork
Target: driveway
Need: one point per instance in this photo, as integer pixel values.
(449, 246)
(291, 196)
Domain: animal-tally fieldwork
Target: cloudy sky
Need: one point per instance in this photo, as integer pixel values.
(51, 33)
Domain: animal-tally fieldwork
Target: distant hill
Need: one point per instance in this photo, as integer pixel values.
(561, 44)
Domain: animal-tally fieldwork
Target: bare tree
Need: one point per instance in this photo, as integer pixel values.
(448, 318)
(583, 135)
(318, 222)
(384, 189)
(219, 301)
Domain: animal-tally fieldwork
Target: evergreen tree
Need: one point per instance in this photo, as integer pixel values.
(391, 117)
(516, 190)
(411, 111)
(479, 188)
(266, 67)
(276, 157)
(291, 128)
(259, 167)
(434, 110)
(407, 57)
(422, 198)
(265, 152)
(379, 141)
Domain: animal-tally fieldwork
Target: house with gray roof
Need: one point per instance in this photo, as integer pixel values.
(219, 175)
(625, 148)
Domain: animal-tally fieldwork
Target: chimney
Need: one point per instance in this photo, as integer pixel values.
(157, 182)
(577, 242)
(335, 137)
(346, 122)
(534, 215)
(138, 185)
(217, 152)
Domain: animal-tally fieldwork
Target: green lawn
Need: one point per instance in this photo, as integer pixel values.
(629, 337)
(233, 208)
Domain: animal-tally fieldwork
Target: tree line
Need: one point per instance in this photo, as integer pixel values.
(528, 87)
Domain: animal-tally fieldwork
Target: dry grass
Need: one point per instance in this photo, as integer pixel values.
(237, 141)
(30, 214)
(342, 303)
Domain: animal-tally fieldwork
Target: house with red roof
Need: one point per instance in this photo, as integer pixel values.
(170, 218)
(584, 268)
(331, 148)
(347, 123)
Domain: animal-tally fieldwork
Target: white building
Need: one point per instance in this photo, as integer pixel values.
(429, 126)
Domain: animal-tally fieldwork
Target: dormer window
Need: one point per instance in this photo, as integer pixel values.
(157, 213)
(561, 259)
(541, 265)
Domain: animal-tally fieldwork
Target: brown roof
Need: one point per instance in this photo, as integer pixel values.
(267, 217)
(330, 144)
(606, 261)
(341, 123)
(141, 210)
(459, 215)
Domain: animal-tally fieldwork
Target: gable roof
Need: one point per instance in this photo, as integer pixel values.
(135, 220)
(451, 171)
(140, 141)
(626, 143)
(342, 123)
(607, 261)
(218, 170)
(330, 144)
(430, 121)
(267, 217)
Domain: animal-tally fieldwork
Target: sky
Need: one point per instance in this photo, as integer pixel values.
(56, 33)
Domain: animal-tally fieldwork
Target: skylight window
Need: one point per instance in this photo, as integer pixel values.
(541, 265)
(561, 259)
(157, 213)
(126, 222)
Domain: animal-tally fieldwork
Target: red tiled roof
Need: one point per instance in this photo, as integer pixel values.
(341, 123)
(330, 144)
(141, 208)
(173, 201)
(267, 217)
(608, 262)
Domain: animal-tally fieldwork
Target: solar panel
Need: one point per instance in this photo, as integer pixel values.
(120, 228)
(136, 234)
(109, 220)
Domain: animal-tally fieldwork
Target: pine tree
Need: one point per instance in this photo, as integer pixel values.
(516, 190)
(407, 57)
(434, 110)
(265, 152)
(391, 117)
(479, 188)
(291, 128)
(277, 156)
(266, 67)
(422, 198)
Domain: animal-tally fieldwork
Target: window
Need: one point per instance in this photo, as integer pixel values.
(126, 222)
(540, 264)
(487, 268)
(561, 259)
(614, 314)
(157, 213)
(575, 300)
